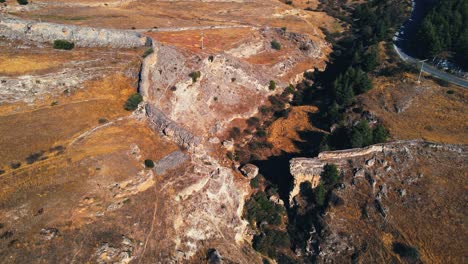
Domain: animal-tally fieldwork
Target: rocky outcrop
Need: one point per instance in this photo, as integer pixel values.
(171, 129)
(41, 32)
(250, 171)
(171, 161)
(387, 190)
(309, 169)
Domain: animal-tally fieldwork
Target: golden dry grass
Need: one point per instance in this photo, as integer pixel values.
(15, 65)
(285, 131)
(215, 40)
(34, 130)
(432, 114)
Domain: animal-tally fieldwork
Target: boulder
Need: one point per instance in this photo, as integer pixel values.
(370, 162)
(250, 171)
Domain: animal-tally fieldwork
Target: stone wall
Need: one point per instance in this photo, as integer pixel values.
(82, 36)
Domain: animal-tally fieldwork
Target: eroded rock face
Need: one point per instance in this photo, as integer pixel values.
(380, 207)
(82, 36)
(229, 87)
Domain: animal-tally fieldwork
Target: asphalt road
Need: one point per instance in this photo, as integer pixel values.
(432, 70)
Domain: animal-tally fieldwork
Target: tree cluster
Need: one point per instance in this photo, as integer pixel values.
(444, 29)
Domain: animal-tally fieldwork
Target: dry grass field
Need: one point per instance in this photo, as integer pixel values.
(427, 111)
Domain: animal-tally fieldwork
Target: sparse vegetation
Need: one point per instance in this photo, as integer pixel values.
(34, 157)
(234, 132)
(275, 45)
(330, 175)
(195, 76)
(406, 251)
(270, 241)
(63, 44)
(272, 85)
(255, 182)
(260, 209)
(15, 165)
(148, 52)
(149, 163)
(132, 102)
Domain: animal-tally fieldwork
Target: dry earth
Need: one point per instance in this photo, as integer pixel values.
(74, 187)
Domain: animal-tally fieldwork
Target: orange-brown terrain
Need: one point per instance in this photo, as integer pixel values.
(83, 180)
(75, 188)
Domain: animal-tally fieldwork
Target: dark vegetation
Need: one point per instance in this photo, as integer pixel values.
(444, 30)
(148, 52)
(63, 44)
(267, 217)
(406, 251)
(195, 76)
(23, 2)
(275, 45)
(149, 163)
(133, 101)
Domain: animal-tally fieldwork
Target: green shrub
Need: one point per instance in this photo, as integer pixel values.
(133, 101)
(252, 121)
(195, 76)
(63, 44)
(379, 134)
(275, 45)
(255, 182)
(319, 195)
(450, 91)
(271, 241)
(272, 85)
(235, 132)
(23, 2)
(2, 1)
(330, 174)
(149, 163)
(259, 209)
(148, 52)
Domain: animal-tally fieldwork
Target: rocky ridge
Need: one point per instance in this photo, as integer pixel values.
(384, 197)
(42, 32)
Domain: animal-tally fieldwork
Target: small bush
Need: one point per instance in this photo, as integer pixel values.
(133, 101)
(2, 1)
(235, 132)
(319, 195)
(102, 120)
(63, 44)
(149, 163)
(275, 45)
(330, 174)
(272, 85)
(406, 251)
(255, 182)
(148, 52)
(253, 121)
(15, 165)
(195, 76)
(34, 157)
(450, 92)
(23, 2)
(271, 241)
